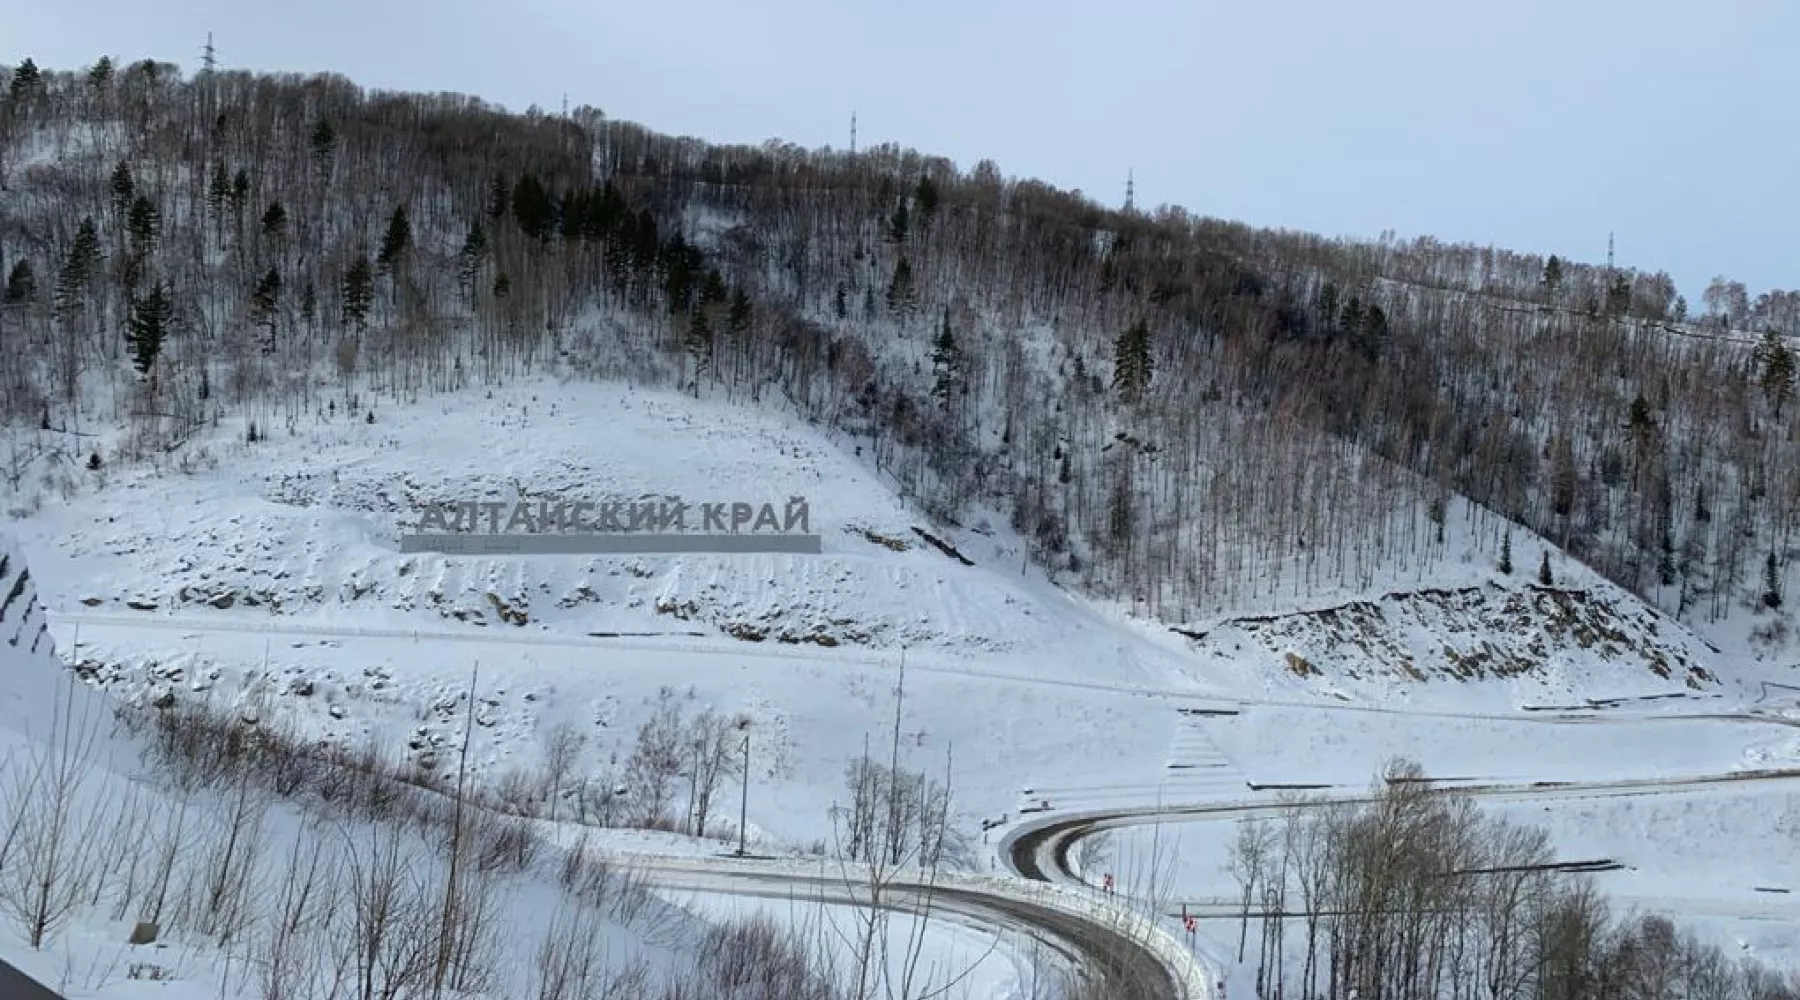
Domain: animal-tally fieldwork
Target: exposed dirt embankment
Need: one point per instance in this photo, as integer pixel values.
(1550, 637)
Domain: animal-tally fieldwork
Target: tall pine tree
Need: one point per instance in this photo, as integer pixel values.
(21, 283)
(900, 289)
(395, 241)
(699, 342)
(143, 223)
(263, 306)
(1133, 366)
(147, 327)
(359, 293)
(123, 187)
(468, 260)
(946, 361)
(78, 269)
(1777, 361)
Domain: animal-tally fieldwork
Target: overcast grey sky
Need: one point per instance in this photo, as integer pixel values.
(1533, 124)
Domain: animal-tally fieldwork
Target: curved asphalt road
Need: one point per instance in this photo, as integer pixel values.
(1098, 950)
(16, 985)
(1040, 850)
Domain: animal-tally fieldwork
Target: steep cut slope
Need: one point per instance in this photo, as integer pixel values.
(307, 526)
(1538, 644)
(39, 698)
(27, 632)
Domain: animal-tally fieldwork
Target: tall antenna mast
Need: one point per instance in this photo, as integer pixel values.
(852, 133)
(209, 56)
(1609, 255)
(565, 104)
(1130, 190)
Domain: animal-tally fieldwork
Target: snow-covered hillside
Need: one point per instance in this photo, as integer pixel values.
(265, 579)
(305, 524)
(244, 892)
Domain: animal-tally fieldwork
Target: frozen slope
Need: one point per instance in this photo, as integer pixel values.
(305, 524)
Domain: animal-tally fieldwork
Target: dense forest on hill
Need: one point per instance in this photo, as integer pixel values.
(1187, 414)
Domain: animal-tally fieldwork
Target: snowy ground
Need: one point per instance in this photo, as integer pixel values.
(1719, 861)
(267, 577)
(119, 810)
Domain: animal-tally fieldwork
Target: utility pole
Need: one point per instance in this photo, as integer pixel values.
(852, 133)
(744, 802)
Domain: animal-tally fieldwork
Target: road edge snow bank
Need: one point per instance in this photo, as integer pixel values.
(1188, 977)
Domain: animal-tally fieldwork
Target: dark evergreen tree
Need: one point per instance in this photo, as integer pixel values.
(900, 288)
(148, 326)
(1351, 323)
(1133, 365)
(679, 264)
(699, 341)
(26, 78)
(1563, 475)
(324, 144)
(1553, 274)
(1375, 332)
(21, 283)
(395, 241)
(712, 290)
(532, 208)
(1777, 362)
(1771, 597)
(239, 195)
(274, 220)
(1328, 306)
(143, 224)
(218, 191)
(571, 215)
(1506, 565)
(1121, 513)
(101, 75)
(1618, 296)
(499, 198)
(838, 304)
(926, 196)
(359, 292)
(737, 319)
(1544, 576)
(123, 187)
(946, 362)
(84, 257)
(264, 303)
(469, 258)
(898, 222)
